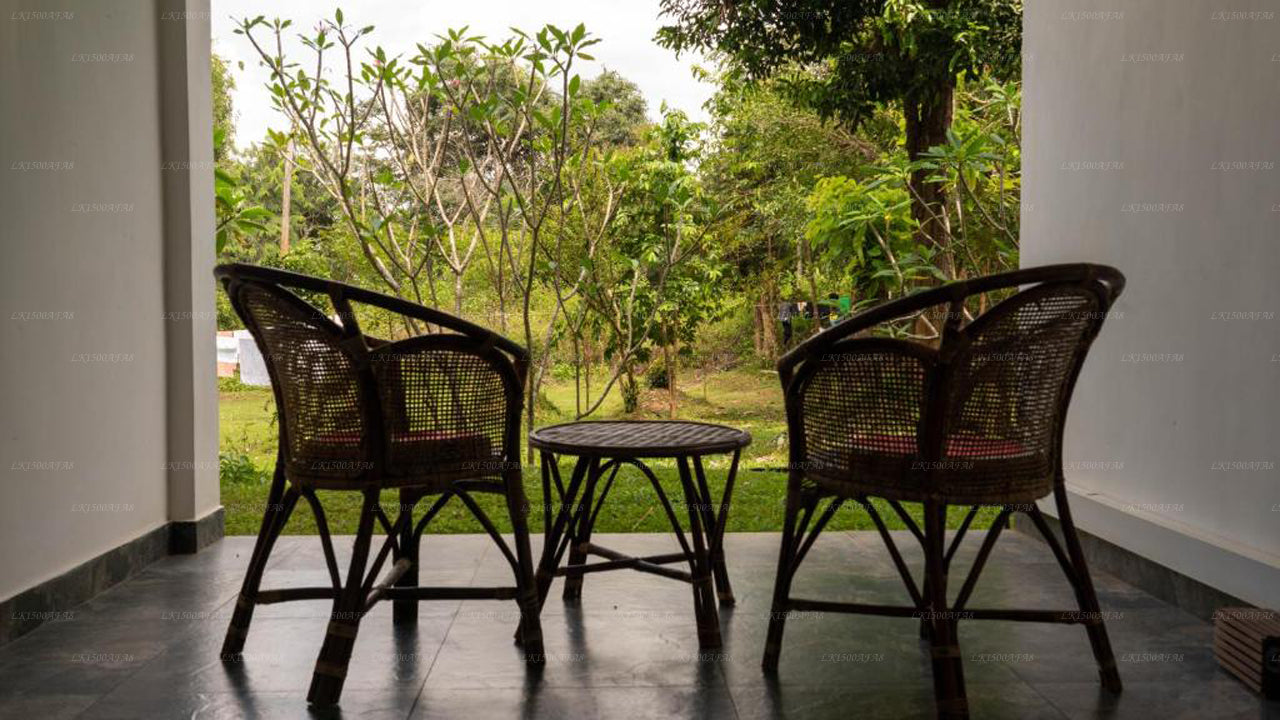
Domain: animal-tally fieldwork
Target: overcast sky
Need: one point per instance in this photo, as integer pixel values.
(625, 28)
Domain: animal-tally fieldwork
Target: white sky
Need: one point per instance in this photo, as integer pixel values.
(625, 27)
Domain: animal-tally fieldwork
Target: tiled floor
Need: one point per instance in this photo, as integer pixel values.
(149, 648)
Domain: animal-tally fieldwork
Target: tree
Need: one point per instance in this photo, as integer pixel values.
(765, 156)
(624, 108)
(223, 109)
(650, 281)
(846, 58)
(234, 215)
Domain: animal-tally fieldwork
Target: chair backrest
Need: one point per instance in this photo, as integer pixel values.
(976, 413)
(356, 407)
(1009, 377)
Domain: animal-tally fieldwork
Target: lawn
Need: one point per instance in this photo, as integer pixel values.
(747, 399)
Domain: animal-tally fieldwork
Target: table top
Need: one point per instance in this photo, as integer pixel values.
(638, 438)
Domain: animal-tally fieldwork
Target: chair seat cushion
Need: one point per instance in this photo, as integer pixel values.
(958, 446)
(416, 452)
(975, 469)
(412, 436)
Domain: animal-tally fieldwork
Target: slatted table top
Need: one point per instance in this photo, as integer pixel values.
(638, 438)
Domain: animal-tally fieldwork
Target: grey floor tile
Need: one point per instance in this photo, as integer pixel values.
(628, 649)
(555, 703)
(582, 650)
(1220, 698)
(363, 704)
(886, 702)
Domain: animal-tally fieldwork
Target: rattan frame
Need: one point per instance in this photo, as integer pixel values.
(602, 448)
(378, 397)
(938, 367)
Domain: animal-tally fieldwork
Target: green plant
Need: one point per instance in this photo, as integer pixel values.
(232, 384)
(563, 372)
(235, 216)
(235, 466)
(848, 59)
(657, 376)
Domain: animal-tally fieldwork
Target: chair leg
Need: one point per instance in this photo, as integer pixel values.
(1087, 597)
(529, 634)
(580, 533)
(280, 504)
(405, 612)
(948, 670)
(782, 581)
(344, 623)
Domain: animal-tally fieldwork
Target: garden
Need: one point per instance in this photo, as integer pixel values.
(656, 266)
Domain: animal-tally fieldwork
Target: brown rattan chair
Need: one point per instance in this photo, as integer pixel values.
(973, 418)
(437, 414)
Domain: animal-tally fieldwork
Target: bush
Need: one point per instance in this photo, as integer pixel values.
(727, 342)
(232, 384)
(562, 372)
(657, 376)
(237, 467)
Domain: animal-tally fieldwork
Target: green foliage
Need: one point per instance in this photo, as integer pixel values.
(232, 384)
(864, 232)
(870, 52)
(495, 179)
(235, 216)
(223, 108)
(622, 109)
(237, 468)
(657, 376)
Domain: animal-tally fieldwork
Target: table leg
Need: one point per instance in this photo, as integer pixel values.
(554, 532)
(580, 531)
(715, 526)
(704, 605)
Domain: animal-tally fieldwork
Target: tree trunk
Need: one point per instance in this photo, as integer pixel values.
(770, 323)
(285, 193)
(813, 289)
(586, 369)
(757, 327)
(927, 122)
(928, 118)
(671, 376)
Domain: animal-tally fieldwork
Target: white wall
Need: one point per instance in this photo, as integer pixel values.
(84, 268)
(1151, 142)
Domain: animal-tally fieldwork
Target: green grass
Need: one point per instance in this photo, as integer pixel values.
(747, 399)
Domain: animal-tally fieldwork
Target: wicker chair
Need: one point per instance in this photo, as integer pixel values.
(437, 414)
(974, 418)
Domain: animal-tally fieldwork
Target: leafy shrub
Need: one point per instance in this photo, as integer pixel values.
(657, 376)
(727, 342)
(562, 372)
(232, 384)
(237, 467)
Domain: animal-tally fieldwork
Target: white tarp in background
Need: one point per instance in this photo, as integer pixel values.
(240, 349)
(228, 350)
(253, 369)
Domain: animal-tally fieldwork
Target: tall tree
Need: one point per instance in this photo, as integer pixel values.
(223, 108)
(845, 58)
(766, 156)
(623, 108)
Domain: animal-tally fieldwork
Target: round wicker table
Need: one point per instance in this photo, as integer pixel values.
(601, 449)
